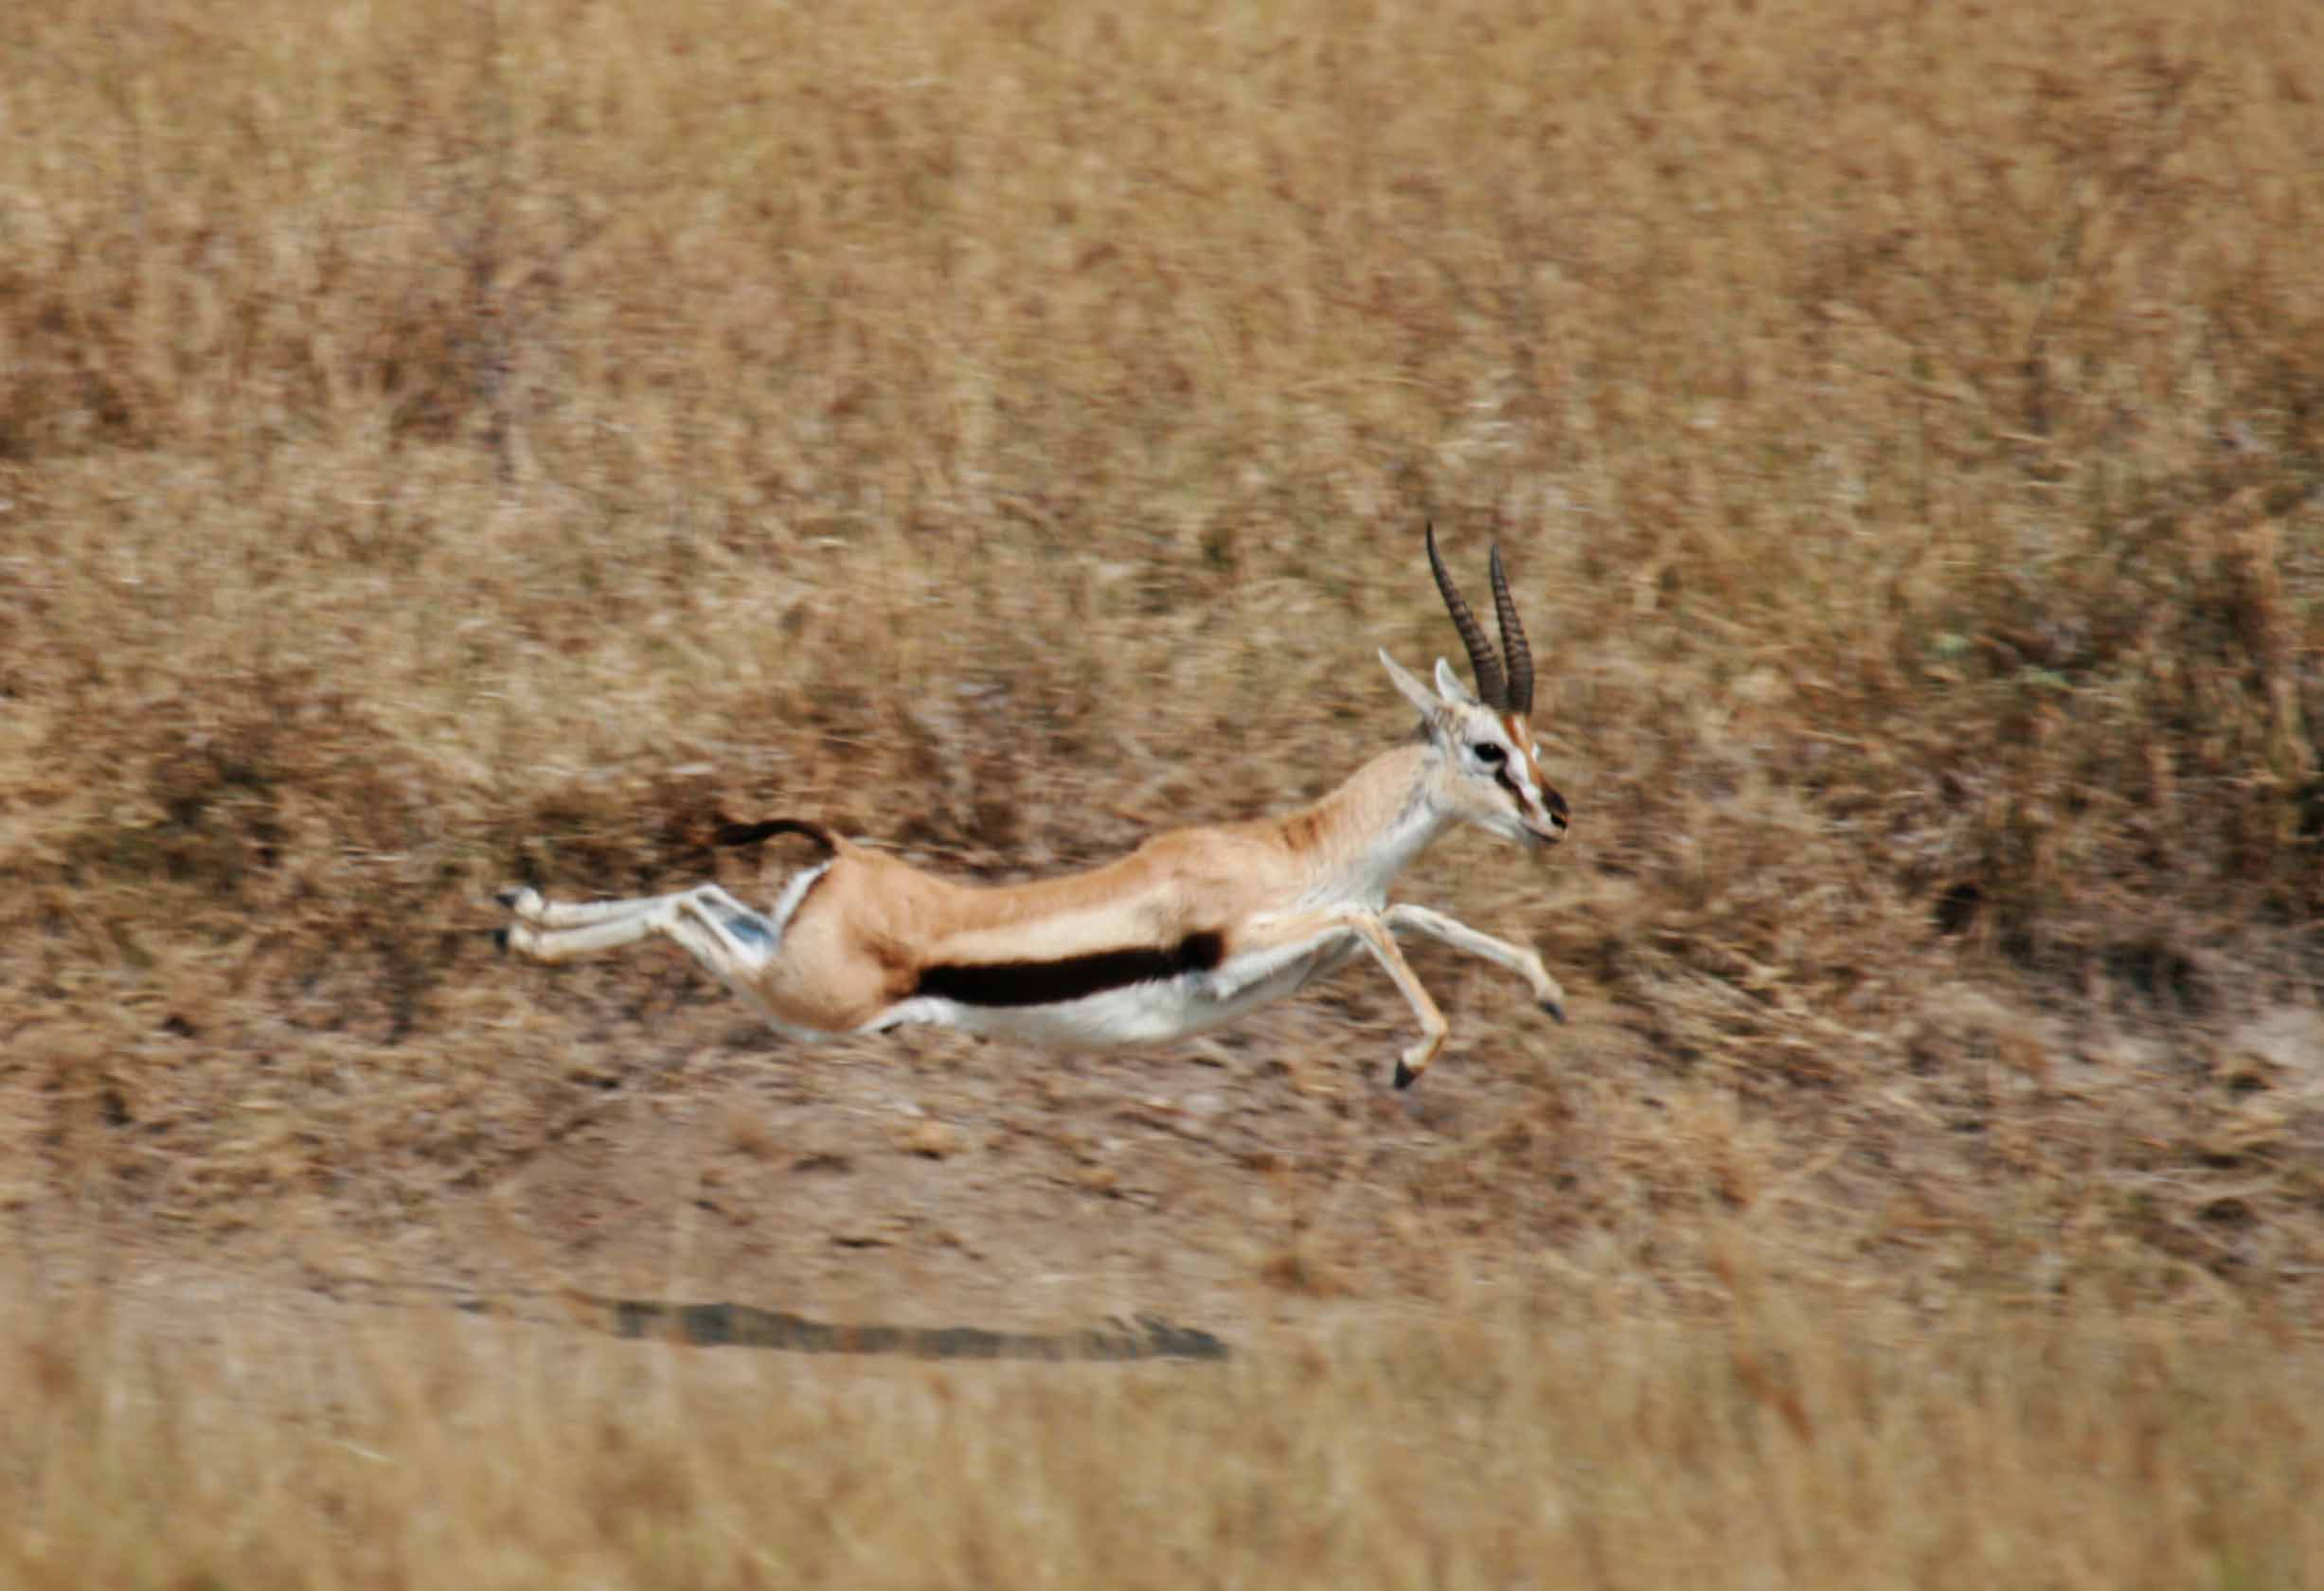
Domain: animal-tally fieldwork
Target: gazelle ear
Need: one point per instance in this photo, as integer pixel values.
(1411, 689)
(1450, 688)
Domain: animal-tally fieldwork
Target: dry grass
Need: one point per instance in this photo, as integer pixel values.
(363, 1450)
(447, 444)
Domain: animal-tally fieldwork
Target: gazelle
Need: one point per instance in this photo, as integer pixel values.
(1192, 929)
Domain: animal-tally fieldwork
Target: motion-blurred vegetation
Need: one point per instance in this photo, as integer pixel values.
(449, 442)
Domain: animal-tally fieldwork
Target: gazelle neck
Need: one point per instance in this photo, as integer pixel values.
(1367, 830)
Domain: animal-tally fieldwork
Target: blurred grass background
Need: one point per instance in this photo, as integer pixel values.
(452, 443)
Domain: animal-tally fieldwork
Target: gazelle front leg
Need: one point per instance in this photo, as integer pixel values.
(1524, 962)
(1296, 933)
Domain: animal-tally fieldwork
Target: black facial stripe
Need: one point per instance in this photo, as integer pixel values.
(1500, 776)
(1070, 978)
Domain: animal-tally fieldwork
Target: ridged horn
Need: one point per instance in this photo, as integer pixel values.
(1491, 685)
(1514, 645)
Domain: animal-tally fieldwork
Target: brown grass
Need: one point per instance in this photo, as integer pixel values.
(371, 1450)
(447, 444)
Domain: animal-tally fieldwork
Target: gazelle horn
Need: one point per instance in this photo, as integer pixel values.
(1514, 645)
(1492, 685)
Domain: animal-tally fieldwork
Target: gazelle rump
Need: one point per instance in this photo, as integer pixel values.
(1195, 928)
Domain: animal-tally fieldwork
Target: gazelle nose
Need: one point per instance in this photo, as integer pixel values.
(1553, 809)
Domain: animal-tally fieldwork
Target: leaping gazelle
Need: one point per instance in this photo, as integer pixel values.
(1190, 930)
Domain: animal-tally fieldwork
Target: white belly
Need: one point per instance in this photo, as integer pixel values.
(1136, 1014)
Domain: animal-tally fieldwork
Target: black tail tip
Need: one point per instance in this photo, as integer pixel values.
(766, 828)
(1405, 1075)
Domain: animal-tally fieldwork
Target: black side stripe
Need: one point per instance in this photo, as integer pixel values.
(1070, 978)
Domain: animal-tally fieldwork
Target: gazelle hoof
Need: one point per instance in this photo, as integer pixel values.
(1405, 1075)
(1554, 1009)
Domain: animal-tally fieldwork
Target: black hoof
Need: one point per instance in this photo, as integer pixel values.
(500, 941)
(1405, 1075)
(509, 897)
(1554, 1009)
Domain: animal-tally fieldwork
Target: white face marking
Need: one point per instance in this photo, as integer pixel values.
(1523, 773)
(1507, 797)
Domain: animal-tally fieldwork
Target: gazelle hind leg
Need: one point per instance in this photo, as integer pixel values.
(726, 935)
(562, 944)
(531, 907)
(730, 941)
(749, 936)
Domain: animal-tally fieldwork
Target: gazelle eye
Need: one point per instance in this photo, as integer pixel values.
(1489, 754)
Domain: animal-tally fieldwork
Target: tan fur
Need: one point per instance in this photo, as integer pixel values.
(1192, 929)
(873, 924)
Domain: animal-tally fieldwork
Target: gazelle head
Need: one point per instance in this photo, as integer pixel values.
(1483, 770)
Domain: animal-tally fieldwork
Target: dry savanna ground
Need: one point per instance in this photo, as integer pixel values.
(446, 444)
